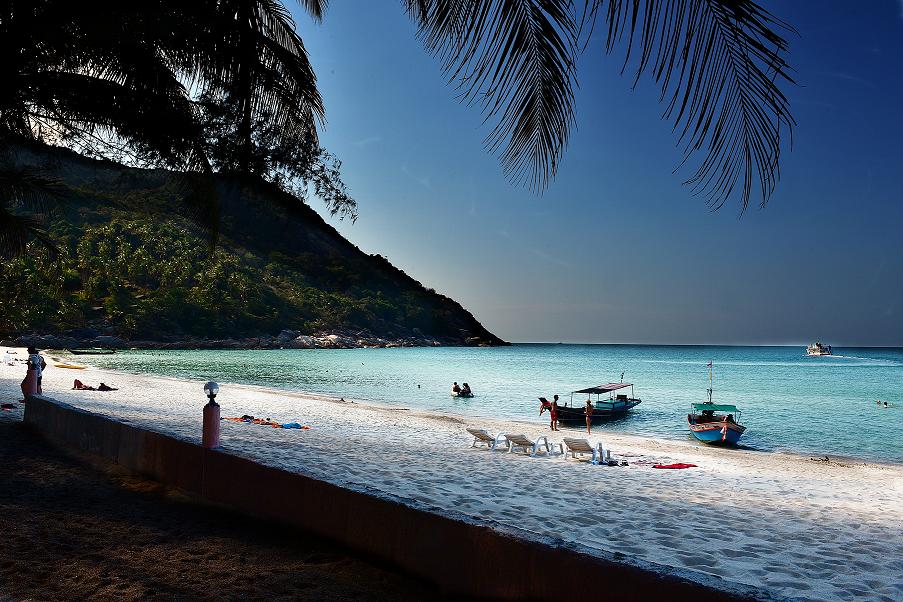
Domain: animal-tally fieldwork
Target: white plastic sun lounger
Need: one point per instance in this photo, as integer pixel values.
(582, 446)
(482, 437)
(520, 442)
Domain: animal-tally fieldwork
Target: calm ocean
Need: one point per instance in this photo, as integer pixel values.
(817, 405)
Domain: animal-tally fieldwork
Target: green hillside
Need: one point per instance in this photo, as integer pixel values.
(133, 266)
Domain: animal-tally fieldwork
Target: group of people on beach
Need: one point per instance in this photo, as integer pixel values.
(552, 407)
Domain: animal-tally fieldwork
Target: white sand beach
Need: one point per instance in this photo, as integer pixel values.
(791, 525)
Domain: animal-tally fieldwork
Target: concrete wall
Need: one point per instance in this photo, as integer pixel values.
(457, 556)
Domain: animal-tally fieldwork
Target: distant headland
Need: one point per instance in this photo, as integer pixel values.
(134, 270)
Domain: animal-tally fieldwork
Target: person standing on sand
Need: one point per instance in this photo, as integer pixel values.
(553, 410)
(589, 415)
(36, 364)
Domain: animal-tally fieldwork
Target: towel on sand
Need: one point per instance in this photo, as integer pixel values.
(267, 422)
(678, 465)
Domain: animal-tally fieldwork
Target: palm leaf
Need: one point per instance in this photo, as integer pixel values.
(17, 230)
(720, 66)
(28, 188)
(515, 58)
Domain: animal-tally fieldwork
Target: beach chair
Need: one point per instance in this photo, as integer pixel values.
(582, 446)
(520, 442)
(482, 437)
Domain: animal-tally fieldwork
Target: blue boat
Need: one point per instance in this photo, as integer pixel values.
(715, 423)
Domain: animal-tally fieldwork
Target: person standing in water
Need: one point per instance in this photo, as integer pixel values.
(455, 388)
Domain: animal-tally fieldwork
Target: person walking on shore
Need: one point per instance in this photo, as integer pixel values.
(589, 415)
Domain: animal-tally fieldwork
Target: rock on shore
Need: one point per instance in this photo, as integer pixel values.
(286, 339)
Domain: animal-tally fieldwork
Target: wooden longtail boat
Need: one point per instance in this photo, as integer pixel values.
(603, 409)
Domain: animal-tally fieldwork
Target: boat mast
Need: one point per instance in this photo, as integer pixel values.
(711, 381)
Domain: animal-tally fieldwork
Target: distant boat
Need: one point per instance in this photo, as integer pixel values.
(817, 349)
(92, 351)
(715, 423)
(614, 406)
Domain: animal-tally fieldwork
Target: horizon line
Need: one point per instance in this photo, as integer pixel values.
(841, 346)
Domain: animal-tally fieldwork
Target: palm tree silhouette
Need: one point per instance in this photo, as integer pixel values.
(142, 79)
(119, 81)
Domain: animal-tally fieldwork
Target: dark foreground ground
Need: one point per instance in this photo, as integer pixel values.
(74, 530)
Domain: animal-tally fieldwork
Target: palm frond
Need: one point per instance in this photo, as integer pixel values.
(315, 8)
(28, 188)
(516, 59)
(17, 230)
(720, 67)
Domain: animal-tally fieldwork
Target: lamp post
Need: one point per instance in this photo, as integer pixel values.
(210, 436)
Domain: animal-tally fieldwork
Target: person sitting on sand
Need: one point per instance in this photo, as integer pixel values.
(455, 388)
(465, 390)
(104, 387)
(589, 415)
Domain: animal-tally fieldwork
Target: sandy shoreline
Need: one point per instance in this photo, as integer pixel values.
(787, 524)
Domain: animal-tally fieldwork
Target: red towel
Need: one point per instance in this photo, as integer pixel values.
(678, 465)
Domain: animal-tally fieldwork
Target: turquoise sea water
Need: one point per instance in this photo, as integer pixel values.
(789, 402)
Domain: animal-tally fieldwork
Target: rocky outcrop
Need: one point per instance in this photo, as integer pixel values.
(286, 339)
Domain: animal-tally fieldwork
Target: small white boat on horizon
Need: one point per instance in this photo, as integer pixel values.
(817, 349)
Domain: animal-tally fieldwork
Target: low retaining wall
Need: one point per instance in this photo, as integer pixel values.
(459, 557)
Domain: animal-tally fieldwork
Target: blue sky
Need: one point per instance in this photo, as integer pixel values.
(617, 250)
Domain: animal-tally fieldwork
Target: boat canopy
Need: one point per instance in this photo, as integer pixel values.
(604, 388)
(714, 407)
